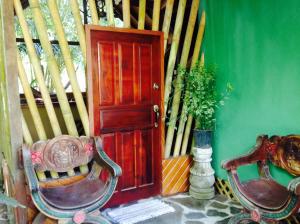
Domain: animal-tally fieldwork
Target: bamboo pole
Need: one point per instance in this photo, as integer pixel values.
(148, 20)
(183, 114)
(167, 21)
(37, 69)
(25, 130)
(126, 13)
(179, 79)
(110, 12)
(94, 14)
(142, 13)
(31, 101)
(69, 65)
(156, 14)
(53, 67)
(79, 27)
(10, 113)
(172, 59)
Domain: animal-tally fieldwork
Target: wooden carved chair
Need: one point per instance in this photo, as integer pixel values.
(264, 200)
(70, 178)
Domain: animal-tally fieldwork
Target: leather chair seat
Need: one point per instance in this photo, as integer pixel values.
(76, 195)
(265, 193)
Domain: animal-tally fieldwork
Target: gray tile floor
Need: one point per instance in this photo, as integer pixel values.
(191, 211)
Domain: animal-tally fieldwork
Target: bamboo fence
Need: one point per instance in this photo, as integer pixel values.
(80, 30)
(53, 67)
(173, 52)
(183, 116)
(167, 21)
(172, 60)
(179, 80)
(30, 100)
(66, 53)
(37, 69)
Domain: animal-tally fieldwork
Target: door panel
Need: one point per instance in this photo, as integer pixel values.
(106, 88)
(123, 66)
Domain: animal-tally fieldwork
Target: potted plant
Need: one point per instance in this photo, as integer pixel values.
(201, 101)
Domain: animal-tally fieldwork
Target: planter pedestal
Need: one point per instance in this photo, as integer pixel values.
(202, 177)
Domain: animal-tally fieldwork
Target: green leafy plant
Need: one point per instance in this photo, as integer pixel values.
(201, 97)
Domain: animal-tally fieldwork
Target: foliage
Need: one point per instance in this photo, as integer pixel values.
(201, 97)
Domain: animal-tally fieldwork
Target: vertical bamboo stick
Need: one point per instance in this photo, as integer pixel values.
(156, 14)
(93, 10)
(126, 13)
(53, 67)
(172, 59)
(25, 130)
(31, 101)
(110, 12)
(142, 13)
(179, 79)
(69, 64)
(167, 21)
(37, 69)
(183, 114)
(80, 30)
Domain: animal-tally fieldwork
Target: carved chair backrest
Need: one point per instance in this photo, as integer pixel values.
(61, 155)
(284, 152)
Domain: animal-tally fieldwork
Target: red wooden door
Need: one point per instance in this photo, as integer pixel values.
(125, 78)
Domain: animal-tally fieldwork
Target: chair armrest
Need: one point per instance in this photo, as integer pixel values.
(29, 169)
(294, 186)
(114, 168)
(257, 154)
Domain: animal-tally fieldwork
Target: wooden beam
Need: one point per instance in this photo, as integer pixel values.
(10, 113)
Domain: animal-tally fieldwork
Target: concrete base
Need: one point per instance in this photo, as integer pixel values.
(202, 193)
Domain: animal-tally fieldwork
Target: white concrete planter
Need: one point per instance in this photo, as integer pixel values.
(202, 177)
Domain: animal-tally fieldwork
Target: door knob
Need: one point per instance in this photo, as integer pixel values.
(156, 111)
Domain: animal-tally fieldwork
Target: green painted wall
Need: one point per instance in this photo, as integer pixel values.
(256, 46)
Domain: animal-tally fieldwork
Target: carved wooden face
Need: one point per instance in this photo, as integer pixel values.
(64, 154)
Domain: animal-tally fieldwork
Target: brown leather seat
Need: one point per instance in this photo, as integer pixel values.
(265, 193)
(75, 195)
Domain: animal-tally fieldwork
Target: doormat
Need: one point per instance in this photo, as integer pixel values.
(140, 211)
